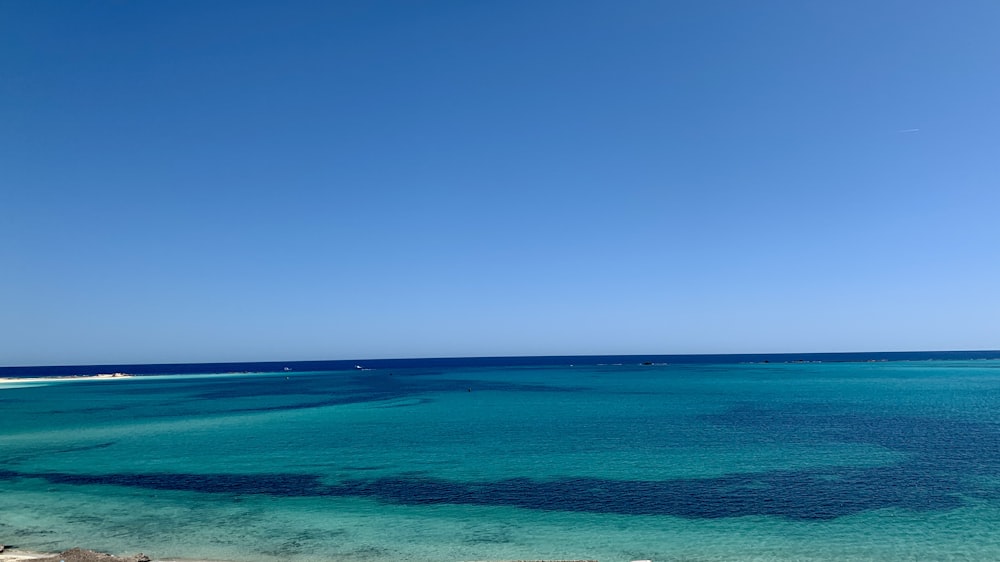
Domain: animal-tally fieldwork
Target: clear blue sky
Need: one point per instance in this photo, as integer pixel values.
(238, 180)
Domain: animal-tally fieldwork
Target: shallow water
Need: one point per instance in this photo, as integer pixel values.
(780, 461)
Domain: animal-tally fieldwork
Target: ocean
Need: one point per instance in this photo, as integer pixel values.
(817, 457)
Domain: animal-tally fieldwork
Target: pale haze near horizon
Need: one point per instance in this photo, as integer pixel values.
(250, 181)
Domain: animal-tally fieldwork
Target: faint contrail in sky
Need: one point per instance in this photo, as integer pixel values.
(907, 130)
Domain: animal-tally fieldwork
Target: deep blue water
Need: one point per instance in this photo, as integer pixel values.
(454, 362)
(763, 457)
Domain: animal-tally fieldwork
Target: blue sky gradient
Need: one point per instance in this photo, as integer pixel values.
(238, 180)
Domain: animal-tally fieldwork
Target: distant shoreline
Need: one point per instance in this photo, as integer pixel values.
(99, 376)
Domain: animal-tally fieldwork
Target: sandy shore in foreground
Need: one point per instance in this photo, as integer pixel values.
(72, 555)
(19, 556)
(81, 555)
(102, 376)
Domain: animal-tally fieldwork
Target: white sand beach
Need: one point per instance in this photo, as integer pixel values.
(67, 378)
(20, 555)
(10, 554)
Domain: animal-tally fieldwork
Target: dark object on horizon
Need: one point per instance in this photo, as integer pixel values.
(647, 362)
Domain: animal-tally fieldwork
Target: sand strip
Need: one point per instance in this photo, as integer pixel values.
(71, 555)
(102, 376)
(80, 555)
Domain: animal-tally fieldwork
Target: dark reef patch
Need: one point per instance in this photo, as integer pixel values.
(288, 485)
(807, 494)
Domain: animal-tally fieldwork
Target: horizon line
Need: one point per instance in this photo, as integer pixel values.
(500, 357)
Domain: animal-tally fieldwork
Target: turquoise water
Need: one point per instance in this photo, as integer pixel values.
(781, 461)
